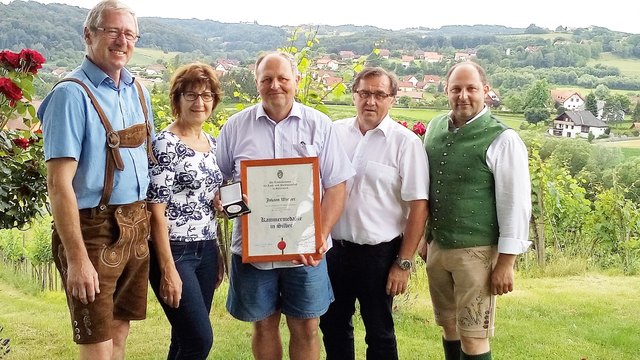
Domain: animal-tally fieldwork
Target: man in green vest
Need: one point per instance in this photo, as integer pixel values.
(480, 201)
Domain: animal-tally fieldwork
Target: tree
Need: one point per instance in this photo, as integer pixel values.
(404, 101)
(535, 115)
(538, 96)
(591, 104)
(537, 102)
(636, 113)
(602, 91)
(612, 111)
(514, 102)
(533, 29)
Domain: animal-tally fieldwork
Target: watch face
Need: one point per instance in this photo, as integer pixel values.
(404, 264)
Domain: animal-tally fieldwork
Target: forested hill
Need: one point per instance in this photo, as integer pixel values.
(57, 29)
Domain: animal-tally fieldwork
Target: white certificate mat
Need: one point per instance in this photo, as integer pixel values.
(284, 195)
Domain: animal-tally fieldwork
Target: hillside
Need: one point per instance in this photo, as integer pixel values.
(514, 58)
(58, 33)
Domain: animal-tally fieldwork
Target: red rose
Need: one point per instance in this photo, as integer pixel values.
(10, 91)
(31, 60)
(419, 128)
(403, 123)
(9, 60)
(22, 142)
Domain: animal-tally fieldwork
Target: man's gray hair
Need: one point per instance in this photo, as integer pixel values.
(292, 60)
(94, 18)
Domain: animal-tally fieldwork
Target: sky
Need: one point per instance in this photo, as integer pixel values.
(618, 15)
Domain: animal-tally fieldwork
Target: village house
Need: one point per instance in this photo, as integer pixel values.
(60, 72)
(464, 56)
(347, 55)
(578, 124)
(429, 80)
(224, 65)
(406, 86)
(410, 78)
(155, 69)
(407, 60)
(492, 99)
(413, 95)
(432, 57)
(568, 99)
(327, 63)
(330, 82)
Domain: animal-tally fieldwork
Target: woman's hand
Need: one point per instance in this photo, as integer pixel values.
(171, 287)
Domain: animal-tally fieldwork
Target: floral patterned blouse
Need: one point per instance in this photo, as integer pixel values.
(186, 181)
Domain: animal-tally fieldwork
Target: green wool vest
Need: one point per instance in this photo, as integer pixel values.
(462, 198)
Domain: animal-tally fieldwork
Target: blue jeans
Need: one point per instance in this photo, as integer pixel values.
(197, 264)
(360, 272)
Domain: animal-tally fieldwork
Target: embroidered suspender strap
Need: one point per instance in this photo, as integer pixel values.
(113, 139)
(143, 103)
(114, 159)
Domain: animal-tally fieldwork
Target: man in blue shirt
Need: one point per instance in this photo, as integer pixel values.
(96, 132)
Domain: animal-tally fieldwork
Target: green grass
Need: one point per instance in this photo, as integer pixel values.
(629, 148)
(629, 67)
(585, 91)
(146, 56)
(412, 115)
(587, 316)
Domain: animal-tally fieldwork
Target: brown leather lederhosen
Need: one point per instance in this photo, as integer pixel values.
(115, 237)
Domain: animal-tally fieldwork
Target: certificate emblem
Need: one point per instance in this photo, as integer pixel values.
(280, 174)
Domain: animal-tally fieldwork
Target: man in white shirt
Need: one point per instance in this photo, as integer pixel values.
(480, 202)
(279, 127)
(376, 237)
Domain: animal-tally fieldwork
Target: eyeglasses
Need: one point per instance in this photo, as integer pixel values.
(206, 96)
(378, 95)
(113, 33)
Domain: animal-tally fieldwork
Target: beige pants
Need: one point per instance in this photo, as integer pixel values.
(459, 283)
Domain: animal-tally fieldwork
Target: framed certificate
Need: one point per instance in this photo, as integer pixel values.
(284, 195)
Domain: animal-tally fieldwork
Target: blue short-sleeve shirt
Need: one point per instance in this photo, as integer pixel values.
(72, 129)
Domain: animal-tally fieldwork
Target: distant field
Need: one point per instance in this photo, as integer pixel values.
(549, 36)
(409, 115)
(145, 56)
(584, 91)
(635, 144)
(629, 67)
(629, 148)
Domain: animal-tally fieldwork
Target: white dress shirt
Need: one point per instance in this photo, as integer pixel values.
(251, 135)
(391, 170)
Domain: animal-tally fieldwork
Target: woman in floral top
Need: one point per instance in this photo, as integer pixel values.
(185, 264)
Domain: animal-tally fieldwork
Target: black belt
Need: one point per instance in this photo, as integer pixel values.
(347, 243)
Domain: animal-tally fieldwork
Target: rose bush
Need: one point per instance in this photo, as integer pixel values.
(418, 127)
(23, 192)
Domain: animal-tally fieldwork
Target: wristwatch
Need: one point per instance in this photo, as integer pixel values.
(404, 264)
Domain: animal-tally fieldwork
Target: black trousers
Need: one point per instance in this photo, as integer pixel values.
(360, 272)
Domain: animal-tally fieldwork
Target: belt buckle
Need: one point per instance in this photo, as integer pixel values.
(113, 139)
